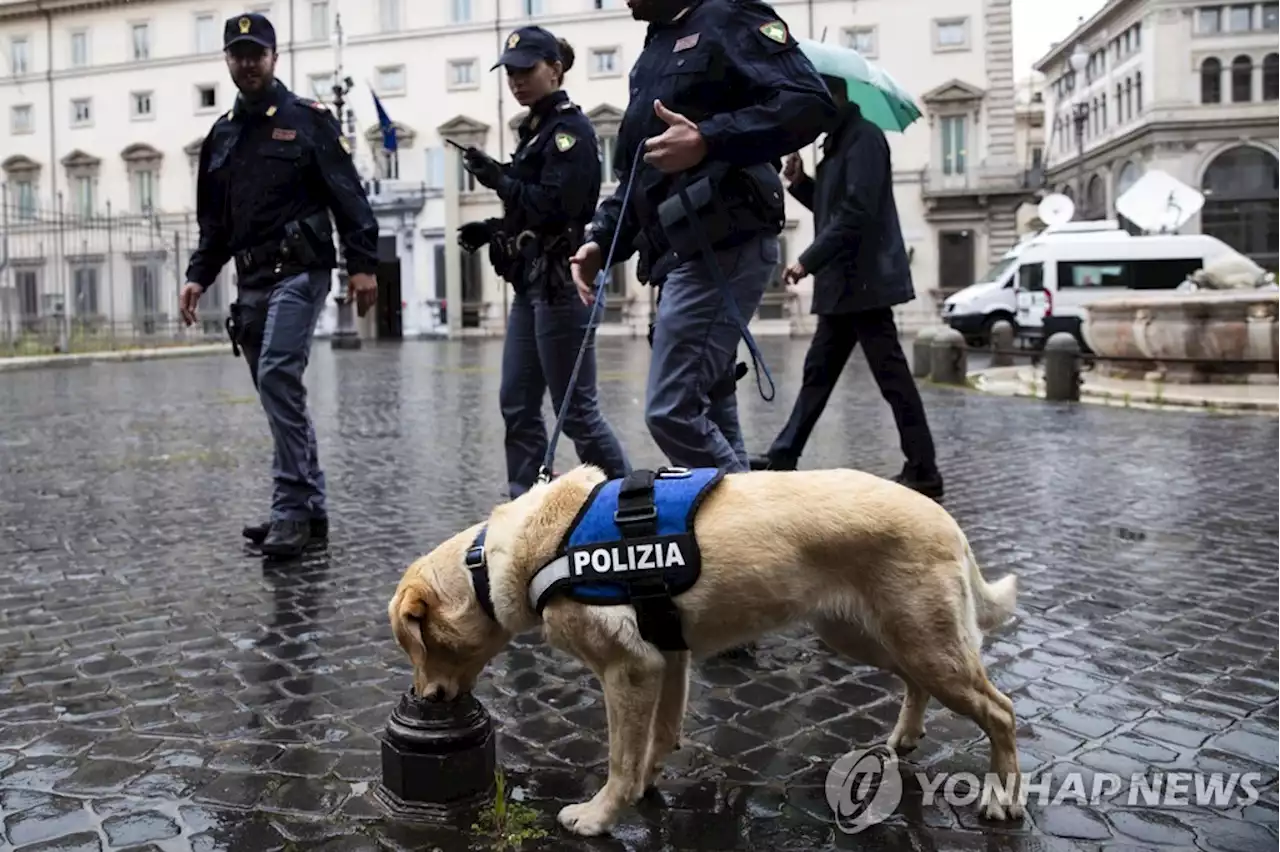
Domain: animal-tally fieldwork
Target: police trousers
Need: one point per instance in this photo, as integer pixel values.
(280, 325)
(538, 354)
(695, 344)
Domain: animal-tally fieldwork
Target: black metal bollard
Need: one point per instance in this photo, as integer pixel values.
(1062, 367)
(920, 352)
(438, 761)
(949, 362)
(1001, 343)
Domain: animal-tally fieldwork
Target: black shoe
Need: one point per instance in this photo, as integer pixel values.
(925, 480)
(771, 463)
(257, 533)
(287, 539)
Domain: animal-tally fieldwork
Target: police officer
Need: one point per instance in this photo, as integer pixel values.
(271, 170)
(549, 192)
(721, 92)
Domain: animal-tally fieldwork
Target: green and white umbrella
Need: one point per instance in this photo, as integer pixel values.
(883, 102)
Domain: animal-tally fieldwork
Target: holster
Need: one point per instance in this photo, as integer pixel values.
(713, 216)
(549, 269)
(502, 256)
(247, 325)
(299, 248)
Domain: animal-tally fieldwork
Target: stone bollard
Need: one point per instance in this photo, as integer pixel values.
(438, 761)
(1001, 343)
(920, 352)
(1062, 367)
(948, 360)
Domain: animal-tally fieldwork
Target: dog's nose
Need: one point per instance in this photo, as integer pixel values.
(435, 693)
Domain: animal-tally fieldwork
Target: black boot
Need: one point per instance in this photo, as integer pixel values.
(257, 533)
(923, 478)
(287, 539)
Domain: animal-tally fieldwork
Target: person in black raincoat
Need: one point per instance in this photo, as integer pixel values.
(860, 272)
(549, 192)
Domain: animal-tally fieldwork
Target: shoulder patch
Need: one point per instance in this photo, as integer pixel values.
(565, 141)
(774, 31)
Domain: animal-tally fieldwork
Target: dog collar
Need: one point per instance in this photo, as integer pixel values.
(478, 565)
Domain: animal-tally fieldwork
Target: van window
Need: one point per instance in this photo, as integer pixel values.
(1031, 277)
(994, 273)
(1154, 274)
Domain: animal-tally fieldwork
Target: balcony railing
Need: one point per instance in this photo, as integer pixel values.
(976, 179)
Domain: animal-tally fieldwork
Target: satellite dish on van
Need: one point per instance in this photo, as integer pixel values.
(1056, 209)
(1159, 203)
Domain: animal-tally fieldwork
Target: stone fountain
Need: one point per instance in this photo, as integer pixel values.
(1219, 327)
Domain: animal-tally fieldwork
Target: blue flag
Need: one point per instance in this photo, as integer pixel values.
(384, 122)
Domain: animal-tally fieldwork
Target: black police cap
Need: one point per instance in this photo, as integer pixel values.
(526, 46)
(250, 27)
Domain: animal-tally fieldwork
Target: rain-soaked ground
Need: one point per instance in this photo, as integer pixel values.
(161, 689)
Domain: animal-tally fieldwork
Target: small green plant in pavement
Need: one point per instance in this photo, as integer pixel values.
(509, 824)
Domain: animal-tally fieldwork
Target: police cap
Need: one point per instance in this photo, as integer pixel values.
(526, 46)
(250, 27)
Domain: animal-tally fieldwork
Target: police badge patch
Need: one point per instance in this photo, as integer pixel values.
(564, 142)
(775, 31)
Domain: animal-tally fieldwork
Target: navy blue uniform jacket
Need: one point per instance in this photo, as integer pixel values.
(733, 68)
(265, 165)
(857, 259)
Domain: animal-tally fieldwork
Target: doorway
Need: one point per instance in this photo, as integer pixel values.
(955, 261)
(390, 303)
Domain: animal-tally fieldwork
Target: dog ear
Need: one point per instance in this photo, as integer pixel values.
(408, 611)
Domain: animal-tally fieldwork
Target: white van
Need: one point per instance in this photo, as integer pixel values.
(1056, 279)
(973, 310)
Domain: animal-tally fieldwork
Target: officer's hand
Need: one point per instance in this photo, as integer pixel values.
(474, 235)
(586, 266)
(363, 288)
(794, 273)
(679, 148)
(793, 168)
(188, 299)
(487, 170)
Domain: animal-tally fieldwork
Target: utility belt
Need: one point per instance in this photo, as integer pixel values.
(733, 206)
(303, 246)
(535, 262)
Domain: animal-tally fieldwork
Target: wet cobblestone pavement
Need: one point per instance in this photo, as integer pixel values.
(162, 689)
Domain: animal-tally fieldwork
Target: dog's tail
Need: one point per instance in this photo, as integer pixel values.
(995, 601)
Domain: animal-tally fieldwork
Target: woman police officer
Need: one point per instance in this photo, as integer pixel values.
(549, 192)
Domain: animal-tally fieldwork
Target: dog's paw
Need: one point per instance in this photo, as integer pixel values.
(903, 741)
(587, 819)
(1000, 808)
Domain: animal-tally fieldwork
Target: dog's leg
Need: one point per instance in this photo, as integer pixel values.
(957, 678)
(670, 717)
(910, 728)
(632, 690)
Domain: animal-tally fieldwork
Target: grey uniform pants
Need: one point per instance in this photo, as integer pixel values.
(695, 344)
(538, 355)
(281, 325)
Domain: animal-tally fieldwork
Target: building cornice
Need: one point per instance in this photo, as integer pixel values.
(18, 9)
(1059, 50)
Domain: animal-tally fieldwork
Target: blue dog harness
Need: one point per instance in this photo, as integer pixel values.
(632, 543)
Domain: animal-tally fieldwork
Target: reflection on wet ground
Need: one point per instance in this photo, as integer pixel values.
(162, 690)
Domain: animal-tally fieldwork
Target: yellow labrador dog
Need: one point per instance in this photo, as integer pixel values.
(883, 574)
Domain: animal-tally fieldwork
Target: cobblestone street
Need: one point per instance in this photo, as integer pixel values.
(162, 689)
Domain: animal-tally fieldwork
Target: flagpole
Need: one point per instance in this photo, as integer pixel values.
(345, 336)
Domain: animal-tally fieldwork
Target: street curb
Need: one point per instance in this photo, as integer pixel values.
(37, 362)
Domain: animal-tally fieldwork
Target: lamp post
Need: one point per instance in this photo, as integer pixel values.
(345, 336)
(1080, 117)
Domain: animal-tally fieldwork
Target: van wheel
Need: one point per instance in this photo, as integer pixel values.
(989, 322)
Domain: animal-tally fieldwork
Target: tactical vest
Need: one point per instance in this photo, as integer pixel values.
(632, 543)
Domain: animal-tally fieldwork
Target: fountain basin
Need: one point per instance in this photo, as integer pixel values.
(1199, 337)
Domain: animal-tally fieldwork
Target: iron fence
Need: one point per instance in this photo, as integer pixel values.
(73, 279)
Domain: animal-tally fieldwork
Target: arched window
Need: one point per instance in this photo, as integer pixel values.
(1241, 206)
(1128, 177)
(1095, 198)
(1241, 80)
(1211, 81)
(1271, 77)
